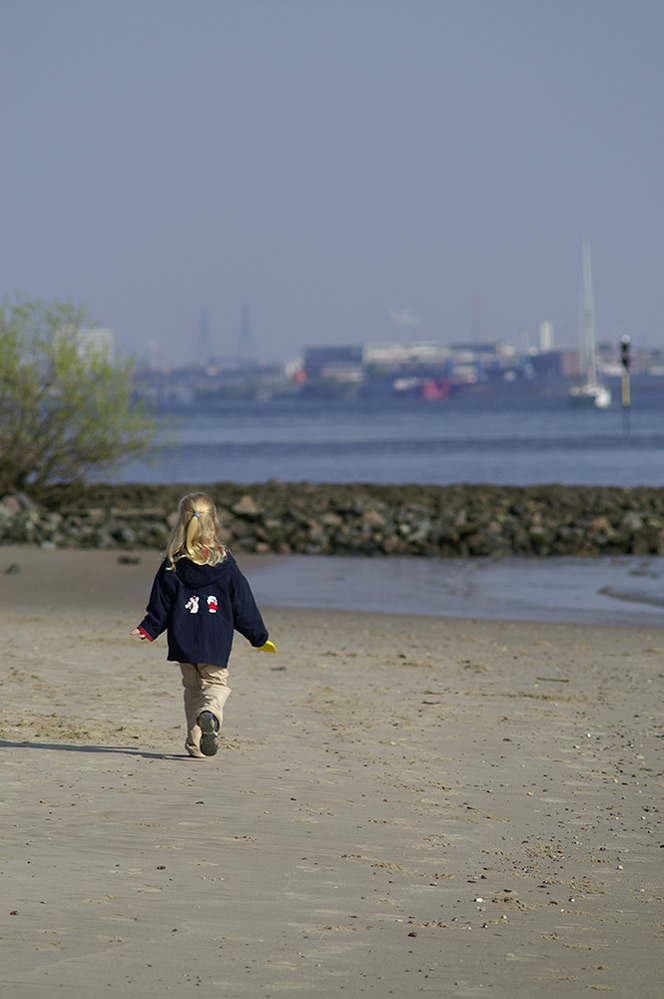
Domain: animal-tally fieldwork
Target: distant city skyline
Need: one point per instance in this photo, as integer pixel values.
(363, 171)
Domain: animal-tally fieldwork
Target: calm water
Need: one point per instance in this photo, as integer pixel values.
(628, 591)
(519, 442)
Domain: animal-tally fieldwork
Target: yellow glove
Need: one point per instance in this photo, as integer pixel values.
(268, 647)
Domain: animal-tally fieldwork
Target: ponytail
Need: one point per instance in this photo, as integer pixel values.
(197, 532)
(192, 531)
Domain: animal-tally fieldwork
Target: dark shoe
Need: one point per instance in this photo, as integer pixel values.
(209, 727)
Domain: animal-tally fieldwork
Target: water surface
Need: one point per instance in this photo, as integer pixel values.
(626, 590)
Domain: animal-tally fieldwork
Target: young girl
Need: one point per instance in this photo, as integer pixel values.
(199, 596)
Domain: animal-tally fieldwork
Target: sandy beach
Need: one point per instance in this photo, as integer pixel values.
(401, 806)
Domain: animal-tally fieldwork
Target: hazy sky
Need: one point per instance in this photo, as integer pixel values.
(347, 168)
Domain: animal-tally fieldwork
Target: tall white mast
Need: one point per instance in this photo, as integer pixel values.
(590, 392)
(588, 314)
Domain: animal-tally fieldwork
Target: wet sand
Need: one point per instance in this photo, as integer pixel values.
(401, 806)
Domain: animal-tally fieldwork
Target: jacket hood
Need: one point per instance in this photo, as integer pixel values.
(195, 576)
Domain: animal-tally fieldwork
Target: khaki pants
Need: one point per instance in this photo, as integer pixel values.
(205, 689)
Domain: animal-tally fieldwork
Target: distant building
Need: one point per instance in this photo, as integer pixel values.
(92, 344)
(342, 363)
(96, 343)
(556, 364)
(546, 336)
(399, 354)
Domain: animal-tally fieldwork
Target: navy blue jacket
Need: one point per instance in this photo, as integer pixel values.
(200, 606)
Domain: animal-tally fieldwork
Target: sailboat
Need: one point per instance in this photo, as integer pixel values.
(590, 392)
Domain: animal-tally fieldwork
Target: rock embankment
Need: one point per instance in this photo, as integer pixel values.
(302, 518)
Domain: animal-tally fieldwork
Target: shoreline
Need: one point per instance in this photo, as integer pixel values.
(408, 805)
(619, 591)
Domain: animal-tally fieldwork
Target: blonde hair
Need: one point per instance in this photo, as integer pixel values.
(197, 532)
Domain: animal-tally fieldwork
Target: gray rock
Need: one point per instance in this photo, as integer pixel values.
(246, 507)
